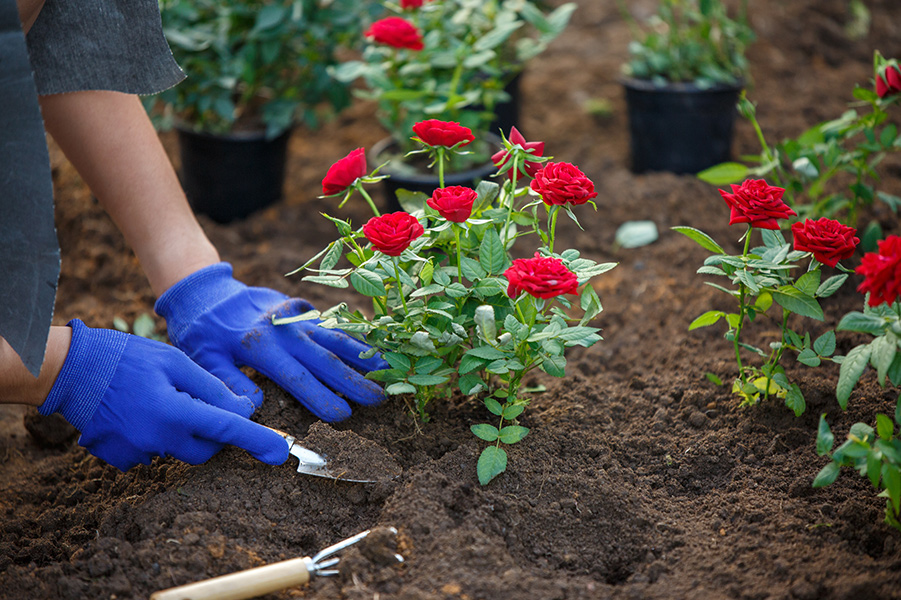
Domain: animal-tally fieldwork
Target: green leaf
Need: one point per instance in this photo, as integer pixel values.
(825, 344)
(485, 352)
(794, 300)
(471, 269)
(827, 475)
(825, 438)
(882, 353)
(494, 406)
(701, 238)
(486, 432)
(884, 427)
(471, 384)
(772, 238)
(554, 365)
(862, 322)
(492, 462)
(485, 323)
(144, 326)
(367, 283)
(470, 363)
(427, 364)
(794, 399)
(512, 411)
(874, 468)
(831, 285)
(400, 388)
(708, 318)
(635, 234)
(397, 361)
(491, 253)
(809, 282)
(809, 357)
(891, 479)
(724, 173)
(513, 433)
(849, 374)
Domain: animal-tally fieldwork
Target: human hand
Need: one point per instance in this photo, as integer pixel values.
(133, 399)
(223, 324)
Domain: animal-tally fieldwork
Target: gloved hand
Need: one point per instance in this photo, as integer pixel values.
(223, 324)
(133, 399)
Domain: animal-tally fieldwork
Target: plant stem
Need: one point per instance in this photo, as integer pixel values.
(440, 151)
(742, 292)
(552, 226)
(369, 200)
(512, 199)
(400, 286)
(456, 230)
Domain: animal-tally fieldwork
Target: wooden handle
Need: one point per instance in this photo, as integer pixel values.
(244, 584)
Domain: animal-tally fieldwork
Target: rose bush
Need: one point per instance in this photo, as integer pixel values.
(882, 272)
(828, 240)
(452, 310)
(764, 277)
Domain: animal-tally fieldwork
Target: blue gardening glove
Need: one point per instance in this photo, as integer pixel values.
(133, 399)
(223, 324)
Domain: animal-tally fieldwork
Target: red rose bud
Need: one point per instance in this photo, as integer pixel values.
(888, 81)
(454, 203)
(433, 132)
(756, 203)
(344, 173)
(392, 233)
(541, 277)
(410, 4)
(501, 157)
(827, 239)
(395, 32)
(562, 183)
(882, 272)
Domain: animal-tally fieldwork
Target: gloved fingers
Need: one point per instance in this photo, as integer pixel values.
(215, 426)
(334, 373)
(187, 376)
(295, 379)
(347, 348)
(120, 457)
(291, 308)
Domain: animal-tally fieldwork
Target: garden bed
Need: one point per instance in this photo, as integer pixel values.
(640, 478)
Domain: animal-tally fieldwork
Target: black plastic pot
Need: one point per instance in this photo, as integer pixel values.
(680, 127)
(424, 182)
(228, 177)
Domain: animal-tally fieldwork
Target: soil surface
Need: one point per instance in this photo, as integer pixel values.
(640, 478)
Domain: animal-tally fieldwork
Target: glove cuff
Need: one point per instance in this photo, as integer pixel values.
(86, 374)
(194, 295)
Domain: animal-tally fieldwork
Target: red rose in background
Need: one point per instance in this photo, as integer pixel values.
(757, 203)
(392, 233)
(542, 277)
(454, 203)
(829, 240)
(501, 157)
(888, 82)
(443, 133)
(882, 272)
(562, 183)
(343, 173)
(395, 32)
(409, 4)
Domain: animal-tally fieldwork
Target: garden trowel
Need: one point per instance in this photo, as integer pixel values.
(312, 463)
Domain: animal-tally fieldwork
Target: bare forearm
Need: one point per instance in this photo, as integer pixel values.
(17, 385)
(109, 139)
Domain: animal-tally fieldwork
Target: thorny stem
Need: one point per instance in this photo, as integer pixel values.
(742, 292)
(400, 286)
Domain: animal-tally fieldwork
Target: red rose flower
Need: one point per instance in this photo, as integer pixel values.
(345, 172)
(562, 183)
(542, 277)
(392, 233)
(395, 32)
(409, 4)
(888, 82)
(829, 240)
(443, 133)
(501, 157)
(756, 203)
(454, 203)
(882, 272)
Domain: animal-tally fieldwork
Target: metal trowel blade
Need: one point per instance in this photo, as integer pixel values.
(311, 463)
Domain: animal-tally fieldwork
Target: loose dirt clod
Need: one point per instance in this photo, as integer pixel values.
(350, 455)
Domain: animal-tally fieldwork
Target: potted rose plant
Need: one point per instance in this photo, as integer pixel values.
(452, 310)
(687, 65)
(450, 60)
(255, 70)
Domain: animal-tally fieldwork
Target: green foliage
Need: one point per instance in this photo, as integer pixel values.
(255, 64)
(883, 322)
(441, 316)
(873, 453)
(144, 325)
(763, 280)
(830, 170)
(690, 41)
(473, 50)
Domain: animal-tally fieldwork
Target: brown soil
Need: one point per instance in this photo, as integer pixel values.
(639, 479)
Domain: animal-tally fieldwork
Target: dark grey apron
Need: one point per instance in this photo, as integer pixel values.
(74, 45)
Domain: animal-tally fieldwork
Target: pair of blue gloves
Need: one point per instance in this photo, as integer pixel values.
(133, 398)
